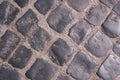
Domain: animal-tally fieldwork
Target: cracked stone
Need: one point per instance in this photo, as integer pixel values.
(41, 70)
(110, 69)
(79, 31)
(116, 48)
(117, 8)
(7, 73)
(97, 14)
(81, 67)
(8, 43)
(21, 57)
(99, 44)
(63, 77)
(60, 52)
(25, 23)
(7, 13)
(22, 3)
(78, 5)
(111, 26)
(39, 39)
(43, 6)
(59, 18)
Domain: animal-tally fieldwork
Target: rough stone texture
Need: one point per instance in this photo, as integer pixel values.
(8, 43)
(110, 69)
(21, 57)
(60, 52)
(81, 66)
(62, 77)
(78, 5)
(41, 70)
(7, 13)
(117, 8)
(26, 22)
(116, 48)
(97, 14)
(39, 39)
(22, 3)
(43, 6)
(7, 73)
(79, 31)
(110, 3)
(99, 44)
(59, 18)
(112, 25)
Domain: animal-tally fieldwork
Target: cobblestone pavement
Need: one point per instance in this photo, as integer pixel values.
(59, 39)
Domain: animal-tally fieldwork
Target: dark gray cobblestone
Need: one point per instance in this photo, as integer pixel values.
(99, 44)
(26, 22)
(21, 57)
(110, 69)
(41, 70)
(22, 3)
(117, 8)
(8, 73)
(60, 52)
(63, 77)
(7, 13)
(116, 48)
(8, 43)
(81, 66)
(59, 18)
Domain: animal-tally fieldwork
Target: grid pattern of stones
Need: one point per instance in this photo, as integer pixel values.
(55, 35)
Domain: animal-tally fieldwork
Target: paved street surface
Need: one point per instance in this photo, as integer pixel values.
(59, 39)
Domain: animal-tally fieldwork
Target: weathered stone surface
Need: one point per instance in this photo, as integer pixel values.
(7, 73)
(59, 18)
(116, 48)
(78, 5)
(8, 43)
(97, 14)
(43, 6)
(99, 44)
(63, 77)
(117, 8)
(39, 39)
(81, 66)
(22, 3)
(21, 57)
(60, 52)
(110, 3)
(26, 22)
(79, 31)
(112, 25)
(110, 69)
(7, 13)
(41, 70)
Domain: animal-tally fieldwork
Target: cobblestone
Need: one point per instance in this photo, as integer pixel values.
(38, 39)
(81, 66)
(41, 70)
(43, 6)
(97, 14)
(8, 43)
(99, 44)
(59, 18)
(79, 31)
(22, 3)
(62, 77)
(111, 26)
(60, 52)
(7, 73)
(78, 5)
(109, 70)
(59, 40)
(21, 57)
(7, 13)
(26, 22)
